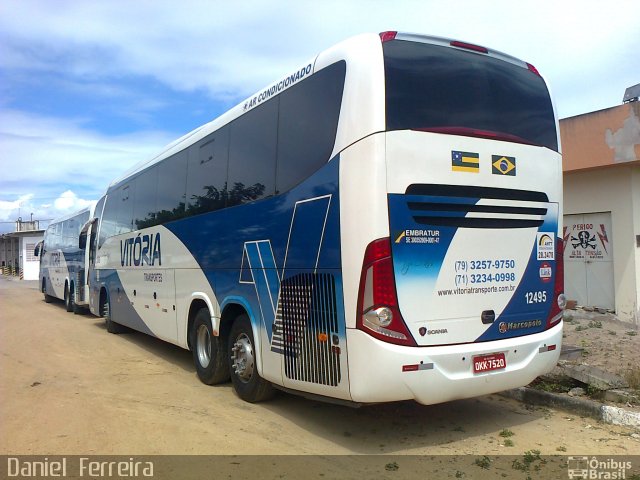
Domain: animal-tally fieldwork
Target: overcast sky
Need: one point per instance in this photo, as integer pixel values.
(87, 89)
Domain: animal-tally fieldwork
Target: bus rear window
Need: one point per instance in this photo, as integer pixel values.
(438, 88)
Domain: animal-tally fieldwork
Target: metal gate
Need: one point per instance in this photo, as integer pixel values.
(588, 259)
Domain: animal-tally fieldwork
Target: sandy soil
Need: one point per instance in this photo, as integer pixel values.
(609, 344)
(69, 387)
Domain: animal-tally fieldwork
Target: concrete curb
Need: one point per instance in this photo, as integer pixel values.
(579, 406)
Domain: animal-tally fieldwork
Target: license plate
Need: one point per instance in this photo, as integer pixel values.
(487, 363)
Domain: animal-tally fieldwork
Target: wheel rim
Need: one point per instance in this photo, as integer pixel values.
(242, 356)
(203, 346)
(105, 309)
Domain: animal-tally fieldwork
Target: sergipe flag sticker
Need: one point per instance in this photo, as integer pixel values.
(465, 162)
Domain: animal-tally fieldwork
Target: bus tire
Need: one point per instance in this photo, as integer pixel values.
(47, 298)
(68, 297)
(77, 309)
(112, 327)
(209, 352)
(247, 383)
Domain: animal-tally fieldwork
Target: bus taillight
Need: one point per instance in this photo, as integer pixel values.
(533, 69)
(559, 300)
(378, 313)
(387, 36)
(469, 46)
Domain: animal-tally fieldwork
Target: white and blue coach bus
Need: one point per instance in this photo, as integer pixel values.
(380, 224)
(64, 260)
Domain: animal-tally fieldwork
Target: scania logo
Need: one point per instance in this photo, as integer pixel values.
(423, 331)
(437, 332)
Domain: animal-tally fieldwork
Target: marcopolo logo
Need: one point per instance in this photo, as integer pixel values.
(504, 327)
(141, 250)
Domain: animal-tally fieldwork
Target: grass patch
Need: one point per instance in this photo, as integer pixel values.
(564, 384)
(549, 386)
(392, 467)
(508, 442)
(530, 460)
(506, 433)
(633, 378)
(592, 391)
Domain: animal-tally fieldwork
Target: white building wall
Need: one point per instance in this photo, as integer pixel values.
(635, 214)
(615, 189)
(30, 264)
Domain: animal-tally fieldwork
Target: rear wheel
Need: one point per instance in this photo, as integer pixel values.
(47, 298)
(68, 297)
(209, 352)
(112, 327)
(77, 309)
(248, 384)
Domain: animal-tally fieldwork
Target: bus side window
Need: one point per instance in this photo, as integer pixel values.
(207, 173)
(144, 210)
(308, 121)
(172, 184)
(252, 155)
(124, 222)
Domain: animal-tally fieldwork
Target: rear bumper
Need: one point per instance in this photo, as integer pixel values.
(446, 373)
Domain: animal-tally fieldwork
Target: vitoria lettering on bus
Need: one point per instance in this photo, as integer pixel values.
(140, 250)
(278, 87)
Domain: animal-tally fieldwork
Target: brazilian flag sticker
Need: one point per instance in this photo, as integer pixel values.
(503, 165)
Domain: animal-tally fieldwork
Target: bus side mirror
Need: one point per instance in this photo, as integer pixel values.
(37, 249)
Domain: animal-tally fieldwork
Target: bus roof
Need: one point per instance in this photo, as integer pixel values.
(347, 49)
(90, 208)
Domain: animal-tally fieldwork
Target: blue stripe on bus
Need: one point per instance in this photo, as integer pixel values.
(265, 279)
(248, 250)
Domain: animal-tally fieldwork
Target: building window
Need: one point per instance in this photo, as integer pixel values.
(30, 248)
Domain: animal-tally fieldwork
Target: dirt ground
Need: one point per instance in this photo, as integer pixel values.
(607, 343)
(69, 387)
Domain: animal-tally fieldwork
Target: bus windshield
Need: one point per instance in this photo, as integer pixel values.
(442, 89)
